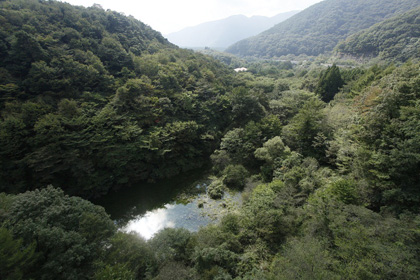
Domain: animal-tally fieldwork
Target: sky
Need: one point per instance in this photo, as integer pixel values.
(168, 16)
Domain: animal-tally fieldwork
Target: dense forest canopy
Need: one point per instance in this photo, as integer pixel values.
(318, 29)
(93, 99)
(396, 39)
(327, 157)
(335, 192)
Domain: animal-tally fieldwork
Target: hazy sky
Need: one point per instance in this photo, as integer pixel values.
(169, 16)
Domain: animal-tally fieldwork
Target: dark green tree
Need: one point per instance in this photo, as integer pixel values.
(304, 129)
(70, 232)
(15, 259)
(128, 253)
(329, 83)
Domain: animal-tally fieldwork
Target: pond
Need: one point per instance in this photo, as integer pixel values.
(180, 202)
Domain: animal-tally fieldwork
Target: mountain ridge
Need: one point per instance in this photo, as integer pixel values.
(222, 33)
(397, 39)
(317, 29)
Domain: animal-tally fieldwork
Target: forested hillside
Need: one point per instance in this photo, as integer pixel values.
(396, 39)
(91, 99)
(318, 29)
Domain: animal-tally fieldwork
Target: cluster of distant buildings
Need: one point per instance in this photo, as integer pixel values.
(241, 69)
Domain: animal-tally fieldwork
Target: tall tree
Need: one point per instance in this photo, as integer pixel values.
(329, 83)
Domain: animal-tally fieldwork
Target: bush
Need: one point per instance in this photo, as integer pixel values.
(345, 191)
(215, 189)
(235, 176)
(172, 244)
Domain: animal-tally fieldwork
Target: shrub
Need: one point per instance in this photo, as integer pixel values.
(235, 176)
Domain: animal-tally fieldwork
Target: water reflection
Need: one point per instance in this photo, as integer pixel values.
(180, 202)
(152, 222)
(189, 216)
(129, 203)
(171, 215)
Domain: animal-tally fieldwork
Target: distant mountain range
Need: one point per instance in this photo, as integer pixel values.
(222, 33)
(319, 28)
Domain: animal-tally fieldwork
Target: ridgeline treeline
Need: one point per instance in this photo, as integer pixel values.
(327, 158)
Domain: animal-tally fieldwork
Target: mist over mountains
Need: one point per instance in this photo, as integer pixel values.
(222, 33)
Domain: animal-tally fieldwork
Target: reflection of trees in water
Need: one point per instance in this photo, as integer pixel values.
(126, 204)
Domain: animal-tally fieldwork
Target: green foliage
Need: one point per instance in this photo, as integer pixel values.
(246, 106)
(266, 220)
(69, 232)
(363, 243)
(317, 218)
(273, 153)
(305, 131)
(395, 39)
(220, 160)
(288, 104)
(329, 83)
(305, 258)
(389, 144)
(175, 270)
(345, 190)
(128, 255)
(372, 74)
(238, 145)
(216, 189)
(15, 258)
(215, 262)
(100, 101)
(235, 176)
(271, 150)
(319, 28)
(115, 272)
(95, 100)
(172, 245)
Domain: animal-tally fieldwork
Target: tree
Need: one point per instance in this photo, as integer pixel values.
(329, 83)
(271, 150)
(15, 258)
(235, 176)
(305, 128)
(172, 244)
(273, 153)
(246, 106)
(127, 253)
(70, 232)
(305, 258)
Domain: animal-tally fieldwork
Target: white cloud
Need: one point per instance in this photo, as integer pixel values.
(151, 222)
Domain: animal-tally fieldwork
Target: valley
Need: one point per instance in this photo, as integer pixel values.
(125, 156)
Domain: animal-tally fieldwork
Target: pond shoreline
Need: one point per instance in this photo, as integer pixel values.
(181, 202)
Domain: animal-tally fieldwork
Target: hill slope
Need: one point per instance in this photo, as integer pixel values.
(53, 28)
(319, 28)
(225, 32)
(395, 39)
(92, 99)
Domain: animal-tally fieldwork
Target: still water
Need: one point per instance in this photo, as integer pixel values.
(177, 202)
